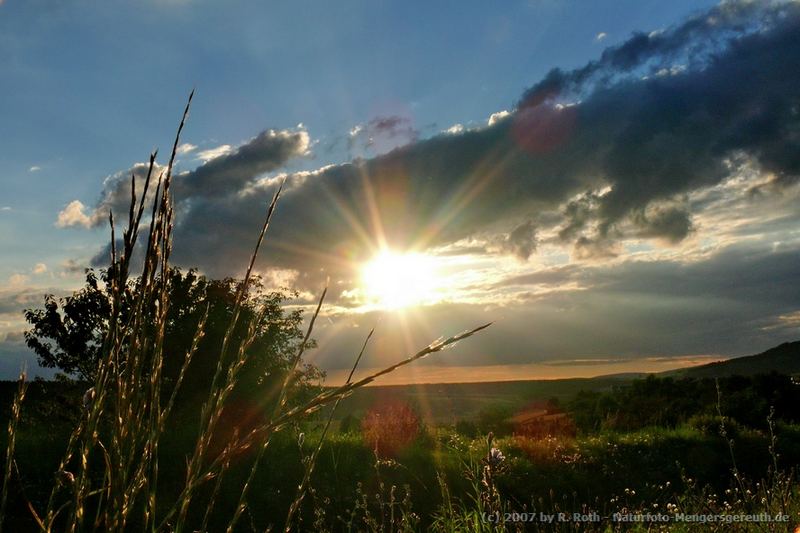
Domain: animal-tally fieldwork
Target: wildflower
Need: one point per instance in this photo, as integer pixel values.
(495, 457)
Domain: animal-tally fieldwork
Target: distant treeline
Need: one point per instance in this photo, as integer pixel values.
(670, 402)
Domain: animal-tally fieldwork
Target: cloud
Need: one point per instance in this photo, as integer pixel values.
(39, 268)
(589, 158)
(494, 118)
(74, 214)
(212, 153)
(35, 168)
(671, 223)
(5, 208)
(185, 148)
(598, 154)
(227, 172)
(720, 303)
(600, 36)
(230, 172)
(382, 133)
(18, 280)
(522, 240)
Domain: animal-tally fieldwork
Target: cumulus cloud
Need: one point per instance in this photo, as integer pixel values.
(494, 118)
(185, 148)
(600, 36)
(228, 171)
(74, 214)
(212, 153)
(39, 268)
(35, 168)
(115, 197)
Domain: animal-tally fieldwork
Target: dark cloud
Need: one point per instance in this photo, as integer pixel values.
(267, 151)
(383, 132)
(223, 175)
(694, 43)
(577, 213)
(670, 223)
(522, 240)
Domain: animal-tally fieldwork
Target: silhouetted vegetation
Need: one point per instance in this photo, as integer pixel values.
(669, 402)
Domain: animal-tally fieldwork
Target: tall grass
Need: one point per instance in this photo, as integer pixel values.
(108, 478)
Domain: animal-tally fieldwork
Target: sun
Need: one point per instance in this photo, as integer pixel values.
(393, 280)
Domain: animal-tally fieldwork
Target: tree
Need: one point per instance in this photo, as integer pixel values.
(67, 333)
(70, 339)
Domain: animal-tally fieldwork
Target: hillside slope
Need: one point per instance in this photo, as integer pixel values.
(784, 358)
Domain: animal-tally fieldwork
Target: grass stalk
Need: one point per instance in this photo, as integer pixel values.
(13, 424)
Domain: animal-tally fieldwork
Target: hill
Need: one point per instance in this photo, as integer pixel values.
(445, 403)
(784, 359)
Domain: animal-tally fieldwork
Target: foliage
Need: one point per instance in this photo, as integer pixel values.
(71, 338)
(67, 333)
(670, 402)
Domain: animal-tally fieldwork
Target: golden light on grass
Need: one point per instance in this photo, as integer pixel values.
(394, 280)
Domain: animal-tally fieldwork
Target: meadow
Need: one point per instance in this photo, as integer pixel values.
(415, 475)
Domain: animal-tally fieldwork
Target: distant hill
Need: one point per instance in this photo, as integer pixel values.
(784, 358)
(446, 403)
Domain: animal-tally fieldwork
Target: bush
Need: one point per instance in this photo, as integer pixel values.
(710, 425)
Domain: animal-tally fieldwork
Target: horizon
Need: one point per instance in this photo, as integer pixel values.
(440, 375)
(615, 182)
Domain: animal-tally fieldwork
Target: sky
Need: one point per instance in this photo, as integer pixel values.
(613, 184)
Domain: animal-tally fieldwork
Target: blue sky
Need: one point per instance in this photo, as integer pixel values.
(87, 89)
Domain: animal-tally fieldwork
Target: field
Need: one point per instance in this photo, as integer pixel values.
(433, 473)
(446, 403)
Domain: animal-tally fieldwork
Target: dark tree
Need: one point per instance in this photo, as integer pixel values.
(68, 332)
